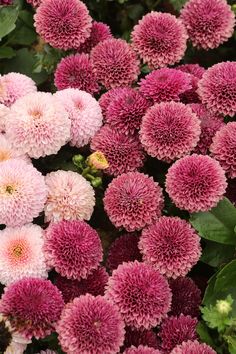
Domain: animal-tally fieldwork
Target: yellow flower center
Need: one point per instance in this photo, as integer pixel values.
(10, 189)
(17, 251)
(4, 155)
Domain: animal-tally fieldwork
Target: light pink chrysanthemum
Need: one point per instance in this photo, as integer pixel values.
(108, 97)
(76, 71)
(126, 110)
(63, 24)
(4, 110)
(38, 125)
(7, 151)
(186, 297)
(34, 3)
(133, 201)
(123, 249)
(94, 284)
(33, 306)
(124, 153)
(84, 112)
(217, 88)
(171, 246)
(99, 32)
(90, 325)
(21, 253)
(210, 124)
(193, 347)
(114, 62)
(169, 131)
(141, 293)
(196, 183)
(165, 85)
(22, 192)
(141, 350)
(176, 330)
(208, 22)
(73, 248)
(140, 337)
(160, 39)
(224, 146)
(14, 86)
(196, 72)
(70, 197)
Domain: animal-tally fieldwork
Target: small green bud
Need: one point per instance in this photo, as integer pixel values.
(223, 307)
(97, 182)
(78, 160)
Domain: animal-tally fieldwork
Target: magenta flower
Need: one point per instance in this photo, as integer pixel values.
(108, 97)
(141, 350)
(193, 347)
(99, 32)
(195, 71)
(140, 337)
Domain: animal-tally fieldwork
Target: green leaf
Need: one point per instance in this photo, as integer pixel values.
(27, 18)
(22, 35)
(217, 254)
(204, 335)
(177, 4)
(231, 340)
(6, 52)
(8, 16)
(217, 224)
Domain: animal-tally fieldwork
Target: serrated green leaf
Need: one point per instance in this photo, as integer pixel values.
(7, 53)
(204, 335)
(8, 16)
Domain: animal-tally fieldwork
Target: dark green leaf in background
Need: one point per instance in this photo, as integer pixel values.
(217, 254)
(7, 53)
(8, 16)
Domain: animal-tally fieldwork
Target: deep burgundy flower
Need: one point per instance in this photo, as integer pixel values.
(136, 337)
(108, 97)
(141, 350)
(99, 32)
(196, 72)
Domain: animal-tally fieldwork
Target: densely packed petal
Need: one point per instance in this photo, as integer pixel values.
(193, 347)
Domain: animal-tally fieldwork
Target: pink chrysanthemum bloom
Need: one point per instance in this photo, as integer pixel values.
(217, 88)
(73, 248)
(196, 72)
(136, 337)
(76, 71)
(21, 253)
(123, 249)
(7, 151)
(33, 306)
(169, 131)
(114, 62)
(141, 350)
(171, 246)
(90, 325)
(193, 347)
(160, 39)
(224, 146)
(175, 330)
(22, 192)
(108, 97)
(6, 2)
(34, 3)
(94, 284)
(210, 124)
(99, 32)
(196, 183)
(84, 112)
(193, 69)
(165, 85)
(62, 24)
(124, 153)
(14, 86)
(208, 22)
(126, 110)
(133, 201)
(4, 110)
(141, 293)
(186, 297)
(70, 197)
(38, 125)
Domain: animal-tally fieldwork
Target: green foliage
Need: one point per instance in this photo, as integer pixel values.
(8, 17)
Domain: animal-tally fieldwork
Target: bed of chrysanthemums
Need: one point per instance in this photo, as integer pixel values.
(117, 177)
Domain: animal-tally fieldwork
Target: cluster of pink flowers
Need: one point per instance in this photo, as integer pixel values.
(57, 272)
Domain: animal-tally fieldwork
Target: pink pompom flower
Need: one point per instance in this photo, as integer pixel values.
(108, 97)
(8, 152)
(4, 110)
(99, 32)
(195, 71)
(141, 350)
(193, 347)
(196, 183)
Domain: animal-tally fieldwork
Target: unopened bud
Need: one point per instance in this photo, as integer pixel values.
(223, 307)
(98, 160)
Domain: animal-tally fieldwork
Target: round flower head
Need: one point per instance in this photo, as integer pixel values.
(73, 248)
(34, 3)
(171, 246)
(33, 306)
(223, 148)
(175, 330)
(169, 131)
(210, 124)
(217, 88)
(38, 125)
(90, 325)
(144, 337)
(208, 22)
(108, 97)
(196, 183)
(195, 71)
(84, 112)
(76, 71)
(62, 24)
(160, 39)
(193, 347)
(21, 253)
(165, 85)
(70, 197)
(114, 62)
(124, 153)
(133, 201)
(6, 2)
(7, 151)
(14, 86)
(126, 110)
(22, 192)
(99, 32)
(94, 284)
(4, 110)
(186, 297)
(141, 293)
(141, 350)
(123, 249)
